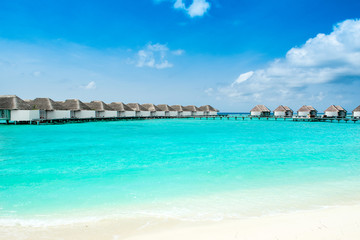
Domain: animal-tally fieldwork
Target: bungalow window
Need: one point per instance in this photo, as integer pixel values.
(4, 114)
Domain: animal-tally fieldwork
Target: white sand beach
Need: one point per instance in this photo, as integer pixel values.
(342, 222)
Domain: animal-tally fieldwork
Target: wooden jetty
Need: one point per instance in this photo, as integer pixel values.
(218, 117)
(274, 118)
(84, 120)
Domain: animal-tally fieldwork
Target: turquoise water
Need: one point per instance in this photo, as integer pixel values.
(189, 169)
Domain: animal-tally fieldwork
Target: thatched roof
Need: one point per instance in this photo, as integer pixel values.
(334, 108)
(282, 108)
(191, 108)
(306, 108)
(208, 108)
(45, 104)
(99, 106)
(357, 109)
(75, 104)
(13, 102)
(178, 108)
(150, 107)
(340, 108)
(165, 107)
(136, 107)
(260, 108)
(120, 107)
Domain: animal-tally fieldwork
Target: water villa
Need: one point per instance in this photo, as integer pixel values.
(195, 111)
(167, 111)
(180, 109)
(14, 109)
(122, 109)
(154, 110)
(78, 109)
(335, 111)
(49, 109)
(209, 110)
(260, 111)
(283, 111)
(102, 110)
(307, 111)
(356, 112)
(140, 111)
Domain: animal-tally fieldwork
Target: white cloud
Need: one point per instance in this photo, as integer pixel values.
(209, 91)
(164, 64)
(154, 56)
(242, 78)
(178, 52)
(90, 85)
(324, 59)
(196, 9)
(179, 4)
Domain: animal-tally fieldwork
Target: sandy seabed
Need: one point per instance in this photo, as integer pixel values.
(342, 222)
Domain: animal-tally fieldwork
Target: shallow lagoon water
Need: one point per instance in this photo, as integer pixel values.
(177, 168)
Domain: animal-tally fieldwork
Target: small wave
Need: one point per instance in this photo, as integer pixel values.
(15, 222)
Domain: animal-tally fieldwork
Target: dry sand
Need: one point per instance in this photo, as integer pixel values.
(341, 222)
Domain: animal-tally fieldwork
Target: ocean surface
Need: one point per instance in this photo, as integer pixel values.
(177, 168)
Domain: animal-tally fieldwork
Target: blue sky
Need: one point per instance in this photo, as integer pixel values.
(230, 54)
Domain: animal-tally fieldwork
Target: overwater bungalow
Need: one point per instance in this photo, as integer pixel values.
(188, 111)
(283, 111)
(260, 111)
(140, 111)
(356, 112)
(335, 111)
(167, 111)
(14, 109)
(122, 109)
(49, 109)
(195, 111)
(154, 110)
(182, 112)
(307, 111)
(78, 109)
(102, 110)
(209, 110)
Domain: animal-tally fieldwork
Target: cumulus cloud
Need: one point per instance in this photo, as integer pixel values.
(90, 85)
(325, 59)
(179, 4)
(155, 56)
(196, 9)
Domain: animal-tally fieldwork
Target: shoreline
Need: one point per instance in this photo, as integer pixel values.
(341, 222)
(338, 222)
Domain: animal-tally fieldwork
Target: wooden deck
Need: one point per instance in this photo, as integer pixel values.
(295, 119)
(218, 117)
(83, 120)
